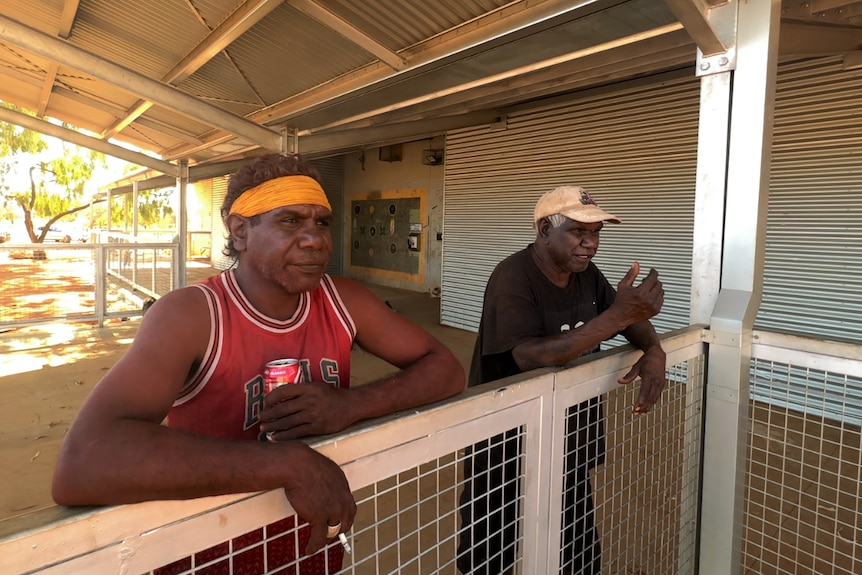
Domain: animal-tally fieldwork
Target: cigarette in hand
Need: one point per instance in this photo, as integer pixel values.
(343, 538)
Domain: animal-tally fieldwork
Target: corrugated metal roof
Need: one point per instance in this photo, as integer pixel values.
(210, 80)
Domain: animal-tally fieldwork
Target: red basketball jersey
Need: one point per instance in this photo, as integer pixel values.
(225, 395)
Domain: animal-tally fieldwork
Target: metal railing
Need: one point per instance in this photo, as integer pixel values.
(406, 472)
(44, 283)
(803, 497)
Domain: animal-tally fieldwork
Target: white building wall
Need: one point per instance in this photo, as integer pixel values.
(374, 175)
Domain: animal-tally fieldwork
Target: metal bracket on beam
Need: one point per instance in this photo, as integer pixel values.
(712, 26)
(501, 124)
(852, 60)
(727, 339)
(289, 140)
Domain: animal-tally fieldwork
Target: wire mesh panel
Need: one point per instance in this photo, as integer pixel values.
(803, 501)
(647, 489)
(491, 505)
(71, 282)
(627, 487)
(411, 521)
(45, 282)
(275, 548)
(408, 523)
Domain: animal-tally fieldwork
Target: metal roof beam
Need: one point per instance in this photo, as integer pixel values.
(695, 16)
(238, 23)
(85, 141)
(135, 83)
(491, 27)
(382, 135)
(816, 6)
(345, 29)
(807, 40)
(67, 19)
(505, 76)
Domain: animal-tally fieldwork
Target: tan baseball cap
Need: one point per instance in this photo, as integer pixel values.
(574, 203)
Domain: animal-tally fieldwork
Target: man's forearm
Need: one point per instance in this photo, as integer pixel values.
(408, 388)
(131, 461)
(561, 348)
(642, 335)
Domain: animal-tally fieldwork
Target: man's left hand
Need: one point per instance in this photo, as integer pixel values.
(651, 369)
(298, 410)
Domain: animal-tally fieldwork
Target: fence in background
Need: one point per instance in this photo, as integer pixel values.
(82, 282)
(407, 475)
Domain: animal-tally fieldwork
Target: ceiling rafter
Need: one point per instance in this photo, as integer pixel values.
(695, 15)
(83, 140)
(667, 51)
(136, 83)
(67, 20)
(503, 76)
(452, 43)
(347, 30)
(816, 6)
(235, 25)
(490, 27)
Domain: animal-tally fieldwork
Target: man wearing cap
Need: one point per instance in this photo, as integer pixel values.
(544, 306)
(197, 362)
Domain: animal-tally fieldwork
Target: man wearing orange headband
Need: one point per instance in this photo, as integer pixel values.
(198, 360)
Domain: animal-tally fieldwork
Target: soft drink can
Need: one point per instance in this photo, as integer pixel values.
(281, 372)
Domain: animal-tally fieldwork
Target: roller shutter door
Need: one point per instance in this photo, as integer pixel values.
(218, 260)
(634, 149)
(812, 274)
(332, 173)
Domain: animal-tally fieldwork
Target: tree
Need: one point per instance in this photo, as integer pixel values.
(56, 184)
(48, 178)
(15, 142)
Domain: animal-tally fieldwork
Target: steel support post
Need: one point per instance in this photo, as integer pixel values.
(182, 226)
(744, 230)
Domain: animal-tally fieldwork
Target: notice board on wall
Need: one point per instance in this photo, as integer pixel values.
(386, 234)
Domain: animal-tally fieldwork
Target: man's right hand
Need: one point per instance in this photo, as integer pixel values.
(637, 304)
(320, 495)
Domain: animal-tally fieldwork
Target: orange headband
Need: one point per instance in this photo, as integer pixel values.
(278, 192)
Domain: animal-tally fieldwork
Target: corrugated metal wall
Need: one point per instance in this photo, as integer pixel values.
(813, 264)
(634, 150)
(219, 233)
(813, 268)
(332, 171)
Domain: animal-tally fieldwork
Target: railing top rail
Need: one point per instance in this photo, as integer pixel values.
(843, 349)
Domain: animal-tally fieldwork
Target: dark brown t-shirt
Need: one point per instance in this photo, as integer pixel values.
(522, 303)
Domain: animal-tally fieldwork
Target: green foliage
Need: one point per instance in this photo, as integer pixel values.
(57, 185)
(155, 211)
(15, 140)
(154, 207)
(14, 143)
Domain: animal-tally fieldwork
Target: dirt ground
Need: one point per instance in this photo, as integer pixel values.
(46, 372)
(45, 375)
